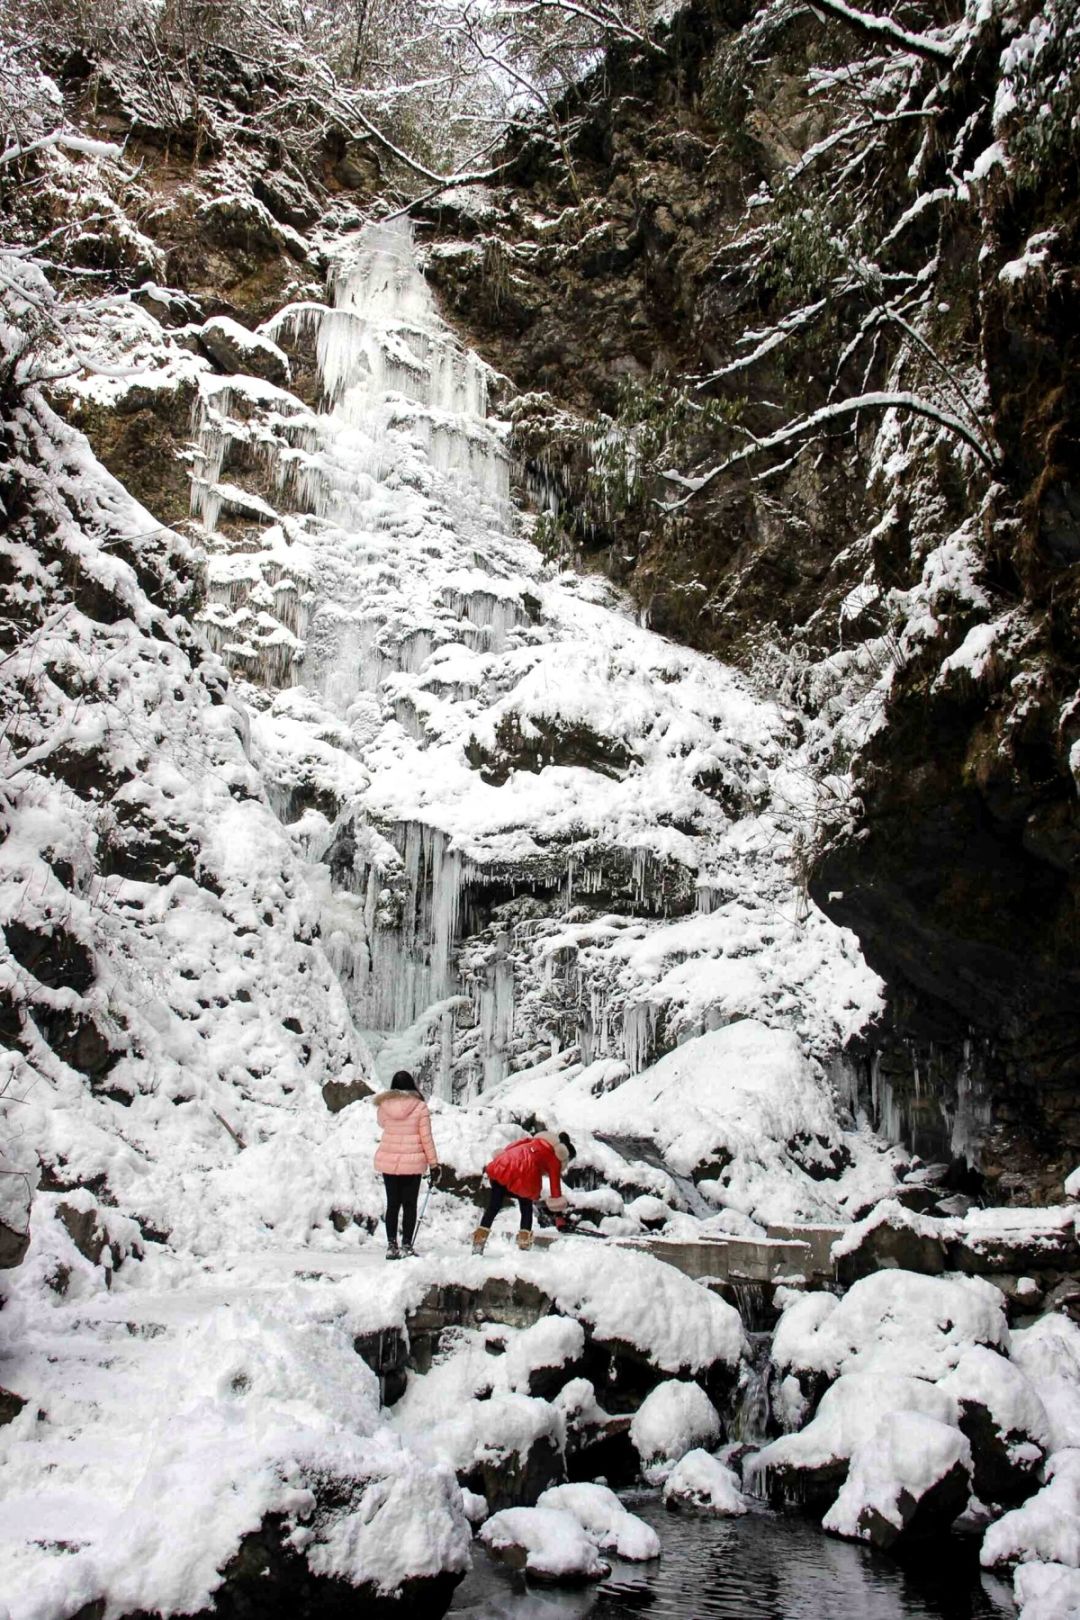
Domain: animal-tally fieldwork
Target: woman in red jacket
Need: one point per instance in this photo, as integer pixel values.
(518, 1172)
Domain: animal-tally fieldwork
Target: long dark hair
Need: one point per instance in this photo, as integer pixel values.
(403, 1081)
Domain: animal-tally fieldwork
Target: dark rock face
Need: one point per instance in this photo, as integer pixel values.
(10, 1406)
(1001, 1473)
(338, 1094)
(13, 1246)
(896, 1245)
(517, 1479)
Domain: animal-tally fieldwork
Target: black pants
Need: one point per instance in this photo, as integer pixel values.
(499, 1195)
(401, 1195)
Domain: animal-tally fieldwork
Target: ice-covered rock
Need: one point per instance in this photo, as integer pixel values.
(676, 1417)
(1004, 1418)
(699, 1480)
(1047, 1528)
(604, 1518)
(911, 1478)
(547, 1543)
(809, 1467)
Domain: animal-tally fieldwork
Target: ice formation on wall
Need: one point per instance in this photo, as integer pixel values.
(548, 830)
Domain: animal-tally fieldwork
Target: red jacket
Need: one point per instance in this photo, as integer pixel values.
(522, 1166)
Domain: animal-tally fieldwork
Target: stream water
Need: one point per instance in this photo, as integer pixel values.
(760, 1567)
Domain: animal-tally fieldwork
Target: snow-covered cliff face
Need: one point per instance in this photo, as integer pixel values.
(164, 999)
(540, 831)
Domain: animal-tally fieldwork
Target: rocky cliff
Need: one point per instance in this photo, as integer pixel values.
(743, 242)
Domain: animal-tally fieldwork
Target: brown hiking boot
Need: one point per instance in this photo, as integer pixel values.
(479, 1238)
(525, 1240)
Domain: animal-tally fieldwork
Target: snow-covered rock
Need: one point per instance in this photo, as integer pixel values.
(893, 1322)
(1047, 1592)
(236, 349)
(1004, 1418)
(809, 1467)
(891, 1237)
(604, 1518)
(1047, 1528)
(1016, 1240)
(911, 1477)
(699, 1480)
(633, 1301)
(547, 1543)
(674, 1418)
(1049, 1353)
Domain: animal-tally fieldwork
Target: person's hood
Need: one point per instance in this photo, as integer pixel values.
(561, 1148)
(401, 1103)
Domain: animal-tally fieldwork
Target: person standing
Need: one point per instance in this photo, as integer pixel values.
(405, 1151)
(518, 1171)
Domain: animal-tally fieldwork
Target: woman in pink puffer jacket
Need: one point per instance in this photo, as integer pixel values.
(406, 1150)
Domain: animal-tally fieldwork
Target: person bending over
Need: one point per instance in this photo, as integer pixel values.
(405, 1151)
(518, 1171)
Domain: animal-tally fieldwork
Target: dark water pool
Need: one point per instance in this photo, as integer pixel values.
(761, 1567)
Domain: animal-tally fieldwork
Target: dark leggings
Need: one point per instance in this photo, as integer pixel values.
(401, 1195)
(499, 1195)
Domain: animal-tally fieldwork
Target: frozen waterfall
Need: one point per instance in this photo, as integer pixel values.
(543, 834)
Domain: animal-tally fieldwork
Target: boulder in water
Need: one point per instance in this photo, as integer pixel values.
(547, 1543)
(701, 1481)
(910, 1480)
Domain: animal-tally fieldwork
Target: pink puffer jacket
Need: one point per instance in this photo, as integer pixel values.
(407, 1147)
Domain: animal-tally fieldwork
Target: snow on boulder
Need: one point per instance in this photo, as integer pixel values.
(604, 1518)
(809, 1468)
(1047, 1592)
(701, 1481)
(890, 1237)
(1047, 1528)
(249, 353)
(546, 1543)
(675, 1418)
(638, 1304)
(911, 1478)
(1049, 1353)
(894, 1322)
(1005, 1420)
(538, 1357)
(1016, 1240)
